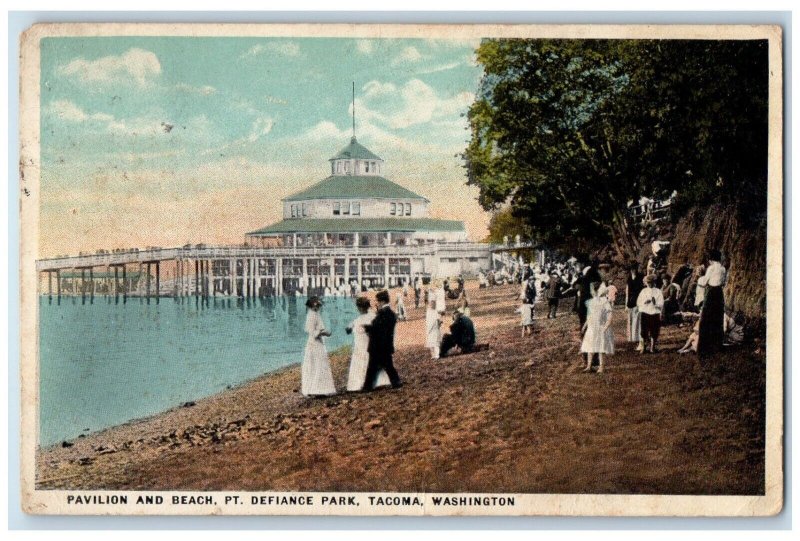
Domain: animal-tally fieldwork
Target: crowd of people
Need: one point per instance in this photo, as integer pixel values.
(693, 295)
(652, 300)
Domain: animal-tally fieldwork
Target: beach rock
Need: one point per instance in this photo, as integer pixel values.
(85, 461)
(67, 444)
(375, 423)
(189, 404)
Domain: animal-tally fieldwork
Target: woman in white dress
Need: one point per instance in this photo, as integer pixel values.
(316, 376)
(433, 335)
(598, 337)
(359, 360)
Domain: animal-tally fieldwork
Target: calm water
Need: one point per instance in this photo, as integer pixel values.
(103, 364)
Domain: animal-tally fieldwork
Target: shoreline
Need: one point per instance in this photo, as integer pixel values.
(520, 417)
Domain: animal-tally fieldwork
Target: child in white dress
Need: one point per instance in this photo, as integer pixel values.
(526, 313)
(432, 332)
(598, 337)
(316, 376)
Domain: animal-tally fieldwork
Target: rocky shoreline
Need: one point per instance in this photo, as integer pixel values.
(519, 417)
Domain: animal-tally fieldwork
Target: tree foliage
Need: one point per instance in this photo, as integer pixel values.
(568, 132)
(505, 224)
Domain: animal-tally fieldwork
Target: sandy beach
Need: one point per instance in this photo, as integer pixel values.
(518, 417)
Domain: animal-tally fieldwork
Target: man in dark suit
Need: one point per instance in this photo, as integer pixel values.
(381, 343)
(462, 335)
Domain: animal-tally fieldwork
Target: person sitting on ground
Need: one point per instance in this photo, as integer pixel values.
(691, 342)
(461, 335)
(734, 332)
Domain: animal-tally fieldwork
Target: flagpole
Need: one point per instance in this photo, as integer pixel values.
(354, 108)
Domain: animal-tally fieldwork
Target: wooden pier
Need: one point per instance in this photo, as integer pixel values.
(251, 272)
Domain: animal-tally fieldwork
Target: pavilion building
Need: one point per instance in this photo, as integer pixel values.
(375, 230)
(357, 206)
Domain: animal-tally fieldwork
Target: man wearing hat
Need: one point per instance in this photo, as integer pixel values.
(554, 290)
(650, 304)
(381, 343)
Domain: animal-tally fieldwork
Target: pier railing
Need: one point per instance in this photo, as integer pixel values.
(152, 255)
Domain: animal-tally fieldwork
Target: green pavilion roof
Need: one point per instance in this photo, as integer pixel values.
(360, 225)
(355, 150)
(354, 187)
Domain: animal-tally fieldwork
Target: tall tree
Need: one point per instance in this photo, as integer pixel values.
(568, 132)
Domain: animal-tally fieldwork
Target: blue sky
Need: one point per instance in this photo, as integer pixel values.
(163, 141)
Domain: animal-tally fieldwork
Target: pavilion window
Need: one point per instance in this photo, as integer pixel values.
(305, 209)
(356, 209)
(345, 208)
(366, 167)
(408, 209)
(338, 167)
(393, 209)
(294, 211)
(346, 167)
(337, 208)
(333, 168)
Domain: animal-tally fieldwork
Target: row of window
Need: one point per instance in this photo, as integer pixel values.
(343, 166)
(299, 210)
(399, 209)
(345, 208)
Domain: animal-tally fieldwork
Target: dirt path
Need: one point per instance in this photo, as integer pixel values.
(520, 417)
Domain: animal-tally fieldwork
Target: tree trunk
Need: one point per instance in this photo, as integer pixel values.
(625, 241)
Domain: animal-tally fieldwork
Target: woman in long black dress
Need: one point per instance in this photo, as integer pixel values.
(712, 315)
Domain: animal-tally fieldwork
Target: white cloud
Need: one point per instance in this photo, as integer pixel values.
(261, 126)
(283, 48)
(137, 65)
(68, 111)
(408, 55)
(412, 104)
(136, 126)
(376, 88)
(365, 46)
(437, 69)
(325, 130)
(205, 90)
(453, 43)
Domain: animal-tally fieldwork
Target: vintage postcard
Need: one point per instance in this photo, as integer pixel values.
(402, 269)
